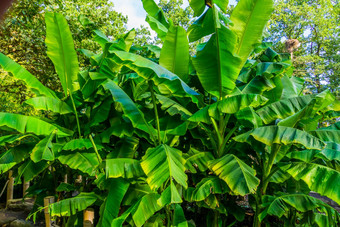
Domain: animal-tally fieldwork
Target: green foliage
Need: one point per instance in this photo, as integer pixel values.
(313, 23)
(160, 141)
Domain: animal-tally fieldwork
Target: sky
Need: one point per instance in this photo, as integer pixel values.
(135, 12)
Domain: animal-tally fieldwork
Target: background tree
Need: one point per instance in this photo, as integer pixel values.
(314, 24)
(22, 36)
(175, 10)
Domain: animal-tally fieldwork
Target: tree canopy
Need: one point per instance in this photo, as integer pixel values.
(315, 24)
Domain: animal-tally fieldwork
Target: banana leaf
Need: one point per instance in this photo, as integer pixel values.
(166, 81)
(207, 186)
(145, 209)
(21, 73)
(71, 206)
(175, 52)
(85, 162)
(79, 144)
(43, 149)
(283, 108)
(14, 156)
(280, 205)
(110, 208)
(319, 178)
(249, 19)
(270, 135)
(60, 49)
(49, 104)
(123, 167)
(169, 196)
(28, 124)
(163, 163)
(30, 169)
(129, 107)
(239, 177)
(173, 107)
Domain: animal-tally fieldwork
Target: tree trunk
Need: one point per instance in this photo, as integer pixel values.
(10, 186)
(47, 201)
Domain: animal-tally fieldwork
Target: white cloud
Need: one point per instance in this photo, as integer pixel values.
(134, 10)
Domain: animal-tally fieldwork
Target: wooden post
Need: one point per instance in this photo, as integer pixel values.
(88, 217)
(25, 186)
(47, 201)
(79, 179)
(10, 187)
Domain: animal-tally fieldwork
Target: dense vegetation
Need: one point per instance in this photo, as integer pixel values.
(161, 137)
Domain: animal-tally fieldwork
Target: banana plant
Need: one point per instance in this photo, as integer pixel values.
(165, 138)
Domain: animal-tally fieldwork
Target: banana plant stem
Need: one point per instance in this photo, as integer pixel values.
(267, 168)
(274, 151)
(226, 139)
(219, 137)
(156, 112)
(96, 150)
(76, 114)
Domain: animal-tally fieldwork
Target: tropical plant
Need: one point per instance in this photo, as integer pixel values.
(172, 139)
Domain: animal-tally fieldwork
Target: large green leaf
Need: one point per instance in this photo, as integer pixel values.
(179, 218)
(118, 222)
(331, 152)
(207, 186)
(14, 156)
(270, 135)
(198, 6)
(280, 205)
(60, 49)
(164, 163)
(28, 124)
(129, 107)
(157, 26)
(153, 10)
(216, 65)
(249, 118)
(173, 107)
(123, 167)
(202, 27)
(249, 19)
(156, 18)
(292, 86)
(198, 160)
(85, 162)
(229, 105)
(167, 82)
(49, 104)
(283, 108)
(146, 208)
(170, 196)
(68, 207)
(329, 134)
(79, 144)
(259, 85)
(30, 169)
(43, 149)
(238, 175)
(175, 52)
(320, 179)
(12, 138)
(22, 74)
(110, 208)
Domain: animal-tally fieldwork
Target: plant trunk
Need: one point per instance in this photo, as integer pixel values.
(47, 201)
(88, 217)
(25, 186)
(10, 186)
